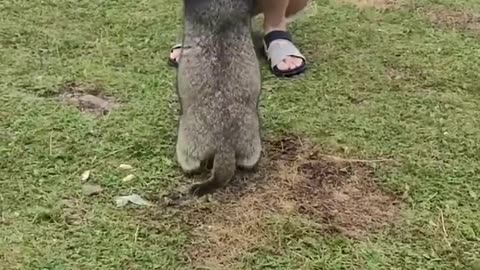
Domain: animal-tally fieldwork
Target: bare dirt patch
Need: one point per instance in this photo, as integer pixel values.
(394, 74)
(88, 97)
(399, 76)
(382, 5)
(455, 19)
(295, 181)
(66, 211)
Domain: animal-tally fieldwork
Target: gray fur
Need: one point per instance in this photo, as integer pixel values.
(219, 84)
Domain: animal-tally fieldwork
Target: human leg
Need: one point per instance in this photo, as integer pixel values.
(284, 56)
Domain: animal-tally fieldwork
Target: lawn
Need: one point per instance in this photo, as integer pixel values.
(372, 157)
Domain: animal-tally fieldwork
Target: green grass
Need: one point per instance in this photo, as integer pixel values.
(426, 116)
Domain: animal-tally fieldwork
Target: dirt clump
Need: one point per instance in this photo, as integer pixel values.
(87, 97)
(73, 212)
(455, 19)
(286, 148)
(294, 180)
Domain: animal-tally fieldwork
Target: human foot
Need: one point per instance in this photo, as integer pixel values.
(174, 55)
(285, 59)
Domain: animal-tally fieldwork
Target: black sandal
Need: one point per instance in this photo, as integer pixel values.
(278, 51)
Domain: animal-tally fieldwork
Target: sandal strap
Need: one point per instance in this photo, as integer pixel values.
(176, 46)
(277, 51)
(275, 35)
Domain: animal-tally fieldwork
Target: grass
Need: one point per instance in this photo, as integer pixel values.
(381, 84)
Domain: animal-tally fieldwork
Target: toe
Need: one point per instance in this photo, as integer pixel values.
(175, 54)
(290, 63)
(284, 65)
(294, 62)
(297, 62)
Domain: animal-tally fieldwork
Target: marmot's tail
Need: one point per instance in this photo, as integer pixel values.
(224, 166)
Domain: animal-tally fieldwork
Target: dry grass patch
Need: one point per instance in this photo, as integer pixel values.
(295, 181)
(455, 19)
(398, 76)
(382, 5)
(12, 257)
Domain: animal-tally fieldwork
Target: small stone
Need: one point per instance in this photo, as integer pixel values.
(125, 167)
(128, 178)
(85, 175)
(90, 190)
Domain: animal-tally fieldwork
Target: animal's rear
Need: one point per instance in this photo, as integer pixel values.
(224, 166)
(219, 76)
